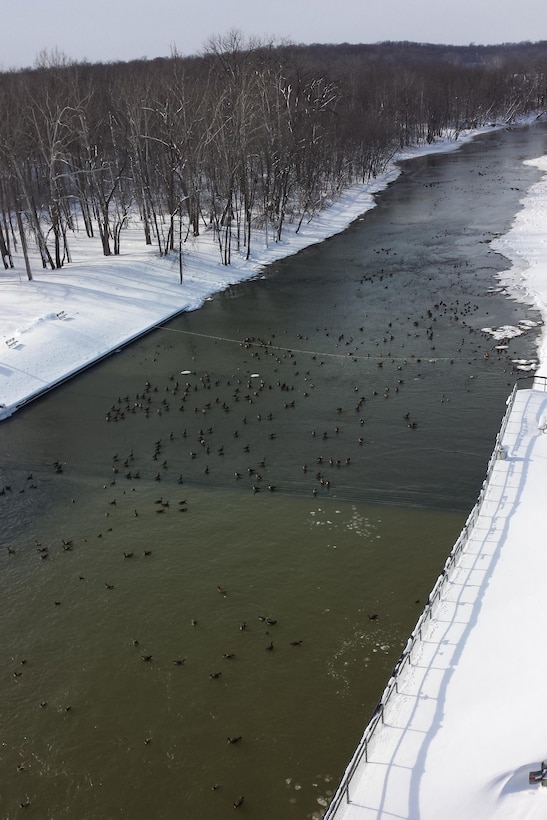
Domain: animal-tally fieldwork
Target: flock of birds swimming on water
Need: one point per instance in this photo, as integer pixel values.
(219, 427)
(273, 425)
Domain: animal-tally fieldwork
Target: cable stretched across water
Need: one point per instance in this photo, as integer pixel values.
(349, 355)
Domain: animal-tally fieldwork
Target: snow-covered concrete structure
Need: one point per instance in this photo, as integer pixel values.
(459, 726)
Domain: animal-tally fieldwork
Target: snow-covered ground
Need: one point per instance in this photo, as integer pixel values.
(466, 725)
(63, 320)
(526, 246)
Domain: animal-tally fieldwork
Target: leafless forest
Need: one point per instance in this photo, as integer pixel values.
(239, 141)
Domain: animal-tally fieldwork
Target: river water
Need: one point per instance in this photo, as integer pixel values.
(229, 529)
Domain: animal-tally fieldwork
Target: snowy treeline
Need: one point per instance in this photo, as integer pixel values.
(239, 140)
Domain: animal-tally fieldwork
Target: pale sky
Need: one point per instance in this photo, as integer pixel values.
(110, 30)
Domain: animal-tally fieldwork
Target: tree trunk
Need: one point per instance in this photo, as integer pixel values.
(24, 244)
(4, 250)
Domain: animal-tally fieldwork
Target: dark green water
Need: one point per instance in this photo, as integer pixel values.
(304, 382)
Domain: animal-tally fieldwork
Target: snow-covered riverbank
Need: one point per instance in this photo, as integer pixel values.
(526, 246)
(64, 320)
